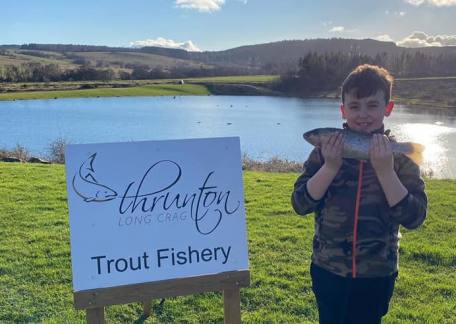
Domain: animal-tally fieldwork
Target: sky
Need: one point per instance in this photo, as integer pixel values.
(208, 25)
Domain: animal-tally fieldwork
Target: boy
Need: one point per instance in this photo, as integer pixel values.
(359, 206)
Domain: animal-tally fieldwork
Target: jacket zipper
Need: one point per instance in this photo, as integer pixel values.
(355, 222)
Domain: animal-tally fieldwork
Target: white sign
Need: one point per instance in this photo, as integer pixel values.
(155, 210)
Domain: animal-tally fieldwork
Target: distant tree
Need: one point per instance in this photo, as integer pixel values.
(320, 72)
(158, 73)
(124, 75)
(12, 73)
(140, 73)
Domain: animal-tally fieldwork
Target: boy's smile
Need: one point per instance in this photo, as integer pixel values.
(365, 114)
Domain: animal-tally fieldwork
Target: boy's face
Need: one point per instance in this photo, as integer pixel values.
(365, 114)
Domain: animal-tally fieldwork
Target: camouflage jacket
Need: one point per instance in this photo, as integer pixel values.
(373, 251)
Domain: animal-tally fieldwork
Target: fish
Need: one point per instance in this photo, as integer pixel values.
(87, 187)
(357, 145)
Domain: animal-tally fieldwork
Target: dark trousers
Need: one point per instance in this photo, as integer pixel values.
(348, 300)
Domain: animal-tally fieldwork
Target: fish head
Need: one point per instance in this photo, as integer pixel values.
(105, 194)
(319, 135)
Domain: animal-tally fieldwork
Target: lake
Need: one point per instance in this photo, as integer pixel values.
(267, 126)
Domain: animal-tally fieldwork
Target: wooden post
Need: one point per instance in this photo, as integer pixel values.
(147, 307)
(95, 315)
(94, 300)
(232, 305)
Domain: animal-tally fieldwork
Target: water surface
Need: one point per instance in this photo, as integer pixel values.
(267, 126)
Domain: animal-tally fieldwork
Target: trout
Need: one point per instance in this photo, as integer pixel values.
(357, 145)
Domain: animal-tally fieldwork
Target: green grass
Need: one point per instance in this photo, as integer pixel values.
(116, 88)
(35, 271)
(75, 85)
(235, 79)
(149, 90)
(432, 93)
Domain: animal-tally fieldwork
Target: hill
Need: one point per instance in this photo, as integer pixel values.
(292, 50)
(96, 58)
(312, 67)
(282, 53)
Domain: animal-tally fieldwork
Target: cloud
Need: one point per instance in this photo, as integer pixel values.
(168, 43)
(327, 23)
(436, 3)
(337, 29)
(395, 13)
(341, 29)
(201, 5)
(421, 39)
(384, 38)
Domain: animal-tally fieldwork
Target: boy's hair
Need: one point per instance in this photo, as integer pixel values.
(365, 80)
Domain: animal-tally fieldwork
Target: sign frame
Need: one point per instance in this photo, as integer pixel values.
(93, 301)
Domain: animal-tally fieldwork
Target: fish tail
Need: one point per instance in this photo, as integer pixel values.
(413, 150)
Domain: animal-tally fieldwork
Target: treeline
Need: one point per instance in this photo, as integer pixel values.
(145, 72)
(70, 48)
(35, 72)
(314, 72)
(326, 72)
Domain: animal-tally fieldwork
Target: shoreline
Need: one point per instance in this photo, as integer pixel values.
(422, 98)
(198, 89)
(56, 155)
(274, 164)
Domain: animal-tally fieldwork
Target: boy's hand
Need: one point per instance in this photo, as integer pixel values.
(381, 154)
(332, 149)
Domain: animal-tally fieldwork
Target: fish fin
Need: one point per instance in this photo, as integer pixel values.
(413, 150)
(416, 156)
(90, 177)
(91, 159)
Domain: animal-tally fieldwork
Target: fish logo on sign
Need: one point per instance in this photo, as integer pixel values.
(86, 186)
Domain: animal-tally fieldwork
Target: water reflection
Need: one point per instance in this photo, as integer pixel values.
(435, 138)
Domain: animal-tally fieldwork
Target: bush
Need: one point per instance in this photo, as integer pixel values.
(18, 152)
(57, 151)
(88, 86)
(274, 164)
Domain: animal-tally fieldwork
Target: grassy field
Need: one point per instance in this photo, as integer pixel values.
(75, 85)
(147, 90)
(235, 79)
(160, 87)
(107, 59)
(431, 93)
(17, 57)
(35, 271)
(434, 94)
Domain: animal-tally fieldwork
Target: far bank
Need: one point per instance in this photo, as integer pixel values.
(422, 93)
